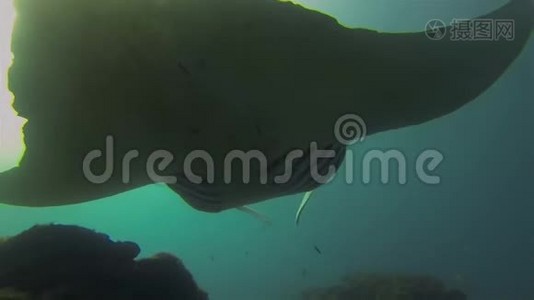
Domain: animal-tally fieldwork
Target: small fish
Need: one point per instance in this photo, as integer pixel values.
(317, 250)
(184, 69)
(258, 130)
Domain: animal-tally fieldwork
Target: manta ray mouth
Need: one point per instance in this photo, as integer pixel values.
(218, 196)
(303, 179)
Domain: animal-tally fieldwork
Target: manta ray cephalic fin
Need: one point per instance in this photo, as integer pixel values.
(303, 204)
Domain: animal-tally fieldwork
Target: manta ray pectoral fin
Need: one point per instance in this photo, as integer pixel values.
(413, 78)
(256, 214)
(303, 204)
(37, 187)
(11, 191)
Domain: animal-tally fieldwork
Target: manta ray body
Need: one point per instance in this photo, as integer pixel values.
(105, 77)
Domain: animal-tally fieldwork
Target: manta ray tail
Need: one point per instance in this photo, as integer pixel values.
(256, 214)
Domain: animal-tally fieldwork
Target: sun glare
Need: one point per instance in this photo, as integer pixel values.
(11, 140)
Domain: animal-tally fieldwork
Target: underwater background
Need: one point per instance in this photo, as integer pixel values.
(474, 230)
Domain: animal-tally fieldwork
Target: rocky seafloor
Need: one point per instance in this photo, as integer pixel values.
(376, 286)
(70, 262)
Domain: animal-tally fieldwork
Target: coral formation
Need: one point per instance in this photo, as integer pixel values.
(69, 262)
(385, 287)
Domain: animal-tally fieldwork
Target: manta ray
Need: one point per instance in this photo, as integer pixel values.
(98, 79)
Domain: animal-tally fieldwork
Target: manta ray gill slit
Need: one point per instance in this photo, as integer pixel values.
(11, 137)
